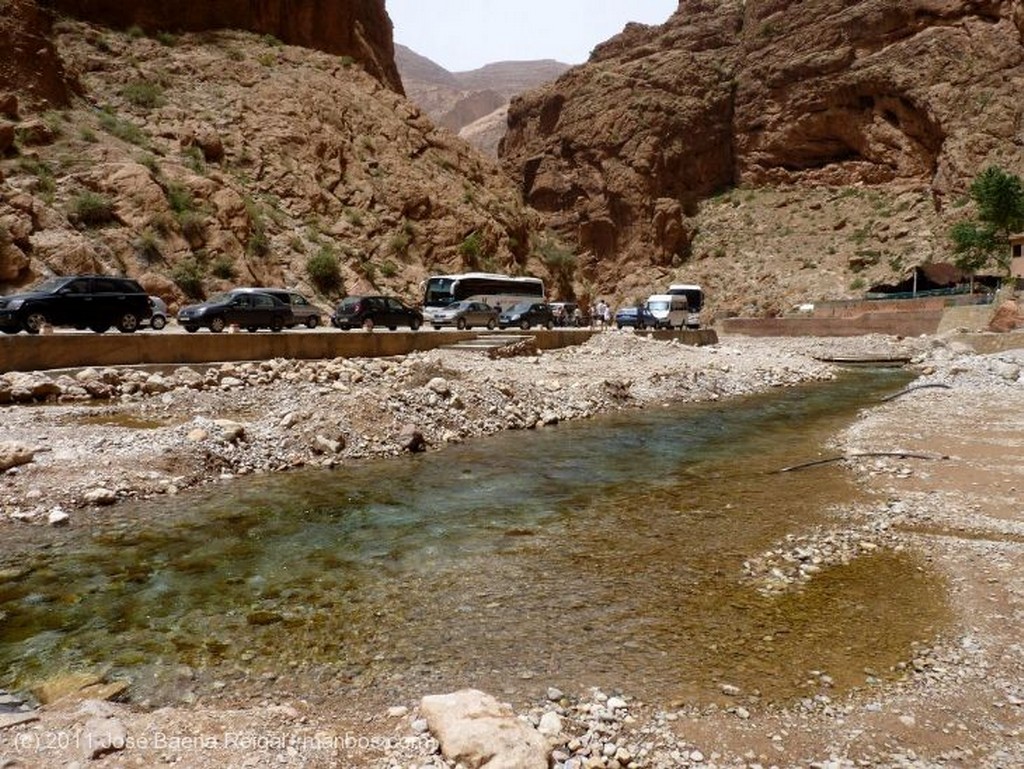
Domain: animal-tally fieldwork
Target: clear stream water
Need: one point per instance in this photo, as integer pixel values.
(606, 553)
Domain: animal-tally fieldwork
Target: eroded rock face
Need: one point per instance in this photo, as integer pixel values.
(357, 28)
(757, 93)
(29, 65)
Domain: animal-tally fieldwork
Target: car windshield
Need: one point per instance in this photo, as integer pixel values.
(660, 304)
(521, 307)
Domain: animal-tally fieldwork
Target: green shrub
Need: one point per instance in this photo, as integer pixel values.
(471, 249)
(86, 134)
(324, 271)
(147, 247)
(166, 38)
(144, 94)
(188, 275)
(192, 227)
(135, 31)
(123, 129)
(388, 269)
(195, 159)
(179, 198)
(223, 267)
(92, 209)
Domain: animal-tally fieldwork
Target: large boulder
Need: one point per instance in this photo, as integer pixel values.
(1007, 317)
(477, 731)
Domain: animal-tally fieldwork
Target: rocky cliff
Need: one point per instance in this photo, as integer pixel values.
(809, 106)
(471, 104)
(198, 161)
(357, 28)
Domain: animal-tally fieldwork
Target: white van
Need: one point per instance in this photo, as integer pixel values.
(695, 299)
(669, 310)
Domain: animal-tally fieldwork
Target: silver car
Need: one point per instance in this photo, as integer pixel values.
(465, 314)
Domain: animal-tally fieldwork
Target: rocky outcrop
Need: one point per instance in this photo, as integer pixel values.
(471, 104)
(620, 152)
(29, 64)
(227, 158)
(357, 28)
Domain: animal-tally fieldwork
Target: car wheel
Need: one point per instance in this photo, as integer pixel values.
(157, 322)
(368, 324)
(344, 326)
(191, 328)
(414, 324)
(276, 324)
(11, 330)
(34, 322)
(491, 324)
(549, 325)
(216, 325)
(99, 328)
(312, 321)
(524, 325)
(437, 327)
(128, 323)
(460, 324)
(252, 329)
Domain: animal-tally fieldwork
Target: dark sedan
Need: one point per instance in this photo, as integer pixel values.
(370, 311)
(246, 309)
(527, 314)
(635, 317)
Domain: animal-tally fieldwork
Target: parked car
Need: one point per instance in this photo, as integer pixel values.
(371, 311)
(96, 302)
(304, 312)
(158, 318)
(639, 318)
(466, 314)
(251, 310)
(570, 314)
(527, 314)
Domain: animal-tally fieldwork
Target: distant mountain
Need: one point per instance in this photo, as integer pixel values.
(471, 104)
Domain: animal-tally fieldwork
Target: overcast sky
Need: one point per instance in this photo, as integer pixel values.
(465, 34)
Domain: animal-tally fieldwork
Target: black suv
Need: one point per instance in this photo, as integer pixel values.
(245, 308)
(370, 311)
(82, 301)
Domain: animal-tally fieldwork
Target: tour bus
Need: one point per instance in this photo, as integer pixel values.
(694, 299)
(669, 310)
(500, 291)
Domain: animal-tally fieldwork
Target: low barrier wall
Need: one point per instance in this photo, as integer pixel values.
(23, 352)
(906, 323)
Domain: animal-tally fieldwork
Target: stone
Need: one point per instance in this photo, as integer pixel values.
(15, 454)
(474, 729)
(411, 439)
(100, 496)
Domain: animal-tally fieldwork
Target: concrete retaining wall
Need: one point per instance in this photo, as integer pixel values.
(905, 323)
(23, 352)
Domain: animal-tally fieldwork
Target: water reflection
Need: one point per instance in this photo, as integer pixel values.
(606, 553)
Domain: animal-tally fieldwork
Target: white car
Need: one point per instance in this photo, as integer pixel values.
(159, 317)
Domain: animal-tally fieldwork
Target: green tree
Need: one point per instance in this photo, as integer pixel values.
(999, 201)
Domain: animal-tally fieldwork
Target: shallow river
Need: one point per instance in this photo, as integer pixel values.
(602, 553)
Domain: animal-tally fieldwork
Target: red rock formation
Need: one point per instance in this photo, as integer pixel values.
(357, 28)
(905, 93)
(29, 65)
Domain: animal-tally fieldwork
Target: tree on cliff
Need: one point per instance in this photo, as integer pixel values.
(999, 201)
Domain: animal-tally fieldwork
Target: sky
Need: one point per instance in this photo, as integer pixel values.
(462, 35)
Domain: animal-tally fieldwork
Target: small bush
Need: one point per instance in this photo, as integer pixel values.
(179, 199)
(223, 267)
(123, 129)
(324, 271)
(147, 247)
(388, 269)
(195, 159)
(144, 94)
(92, 209)
(86, 134)
(166, 38)
(188, 275)
(471, 249)
(135, 31)
(192, 227)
